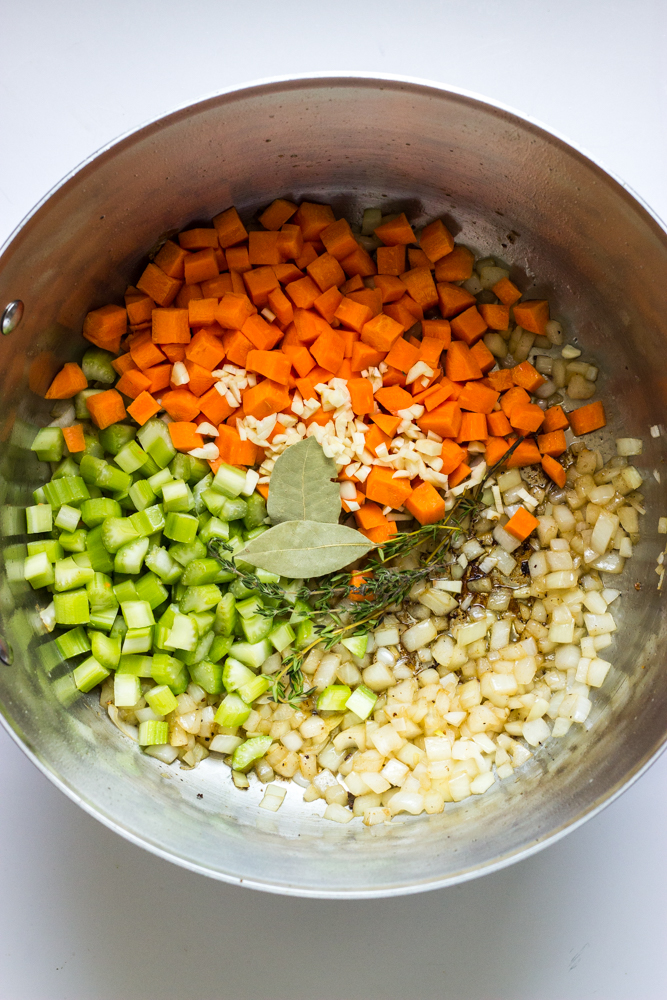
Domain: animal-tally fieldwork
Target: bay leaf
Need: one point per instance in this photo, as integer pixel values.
(301, 487)
(301, 549)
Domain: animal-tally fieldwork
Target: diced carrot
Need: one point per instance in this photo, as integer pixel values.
(436, 241)
(261, 334)
(473, 428)
(143, 408)
(398, 230)
(260, 282)
(345, 370)
(482, 356)
(391, 287)
(171, 259)
(374, 438)
(188, 294)
(371, 297)
(402, 355)
(438, 329)
(272, 364)
(460, 366)
(458, 475)
(513, 397)
(74, 438)
(469, 326)
(205, 350)
(146, 354)
(406, 311)
(370, 516)
(426, 381)
(430, 351)
(159, 376)
(353, 284)
(263, 490)
(238, 260)
(498, 424)
(327, 303)
(426, 504)
(391, 260)
(310, 325)
(351, 337)
(200, 266)
(232, 449)
(233, 310)
(265, 398)
(132, 383)
(320, 417)
(221, 261)
(587, 418)
(417, 258)
(201, 312)
(384, 489)
(359, 263)
(216, 287)
(387, 424)
(281, 306)
(364, 356)
(263, 248)
(526, 453)
(421, 287)
(308, 255)
(277, 214)
(453, 299)
(353, 315)
(554, 470)
(290, 244)
(300, 358)
(553, 443)
(361, 394)
(215, 407)
(456, 266)
(392, 376)
(526, 418)
(201, 379)
(555, 420)
(393, 398)
(496, 447)
(312, 218)
(184, 436)
(181, 404)
(521, 524)
(501, 380)
(139, 308)
(444, 420)
(171, 326)
(329, 351)
(303, 292)
(437, 394)
(359, 501)
(320, 374)
(158, 285)
(379, 535)
(198, 239)
(106, 408)
(105, 326)
(496, 317)
(67, 382)
(478, 398)
(532, 315)
(339, 240)
(452, 455)
(123, 364)
(381, 332)
(506, 291)
(527, 377)
(229, 228)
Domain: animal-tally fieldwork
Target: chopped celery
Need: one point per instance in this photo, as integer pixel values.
(80, 403)
(200, 652)
(140, 666)
(158, 480)
(73, 643)
(101, 593)
(103, 618)
(233, 509)
(214, 528)
(214, 501)
(254, 688)
(356, 644)
(119, 628)
(141, 494)
(69, 490)
(201, 571)
(232, 712)
(203, 620)
(53, 549)
(155, 439)
(220, 647)
(88, 674)
(67, 518)
(126, 590)
(161, 563)
(245, 756)
(256, 511)
(200, 598)
(239, 590)
(48, 444)
(96, 366)
(137, 614)
(113, 479)
(38, 571)
(181, 527)
(225, 615)
(208, 675)
(117, 531)
(73, 541)
(361, 701)
(131, 457)
(252, 653)
(106, 649)
(67, 467)
(68, 575)
(148, 521)
(235, 674)
(256, 627)
(150, 589)
(38, 495)
(90, 468)
(100, 559)
(183, 633)
(229, 480)
(94, 512)
(180, 466)
(282, 636)
(153, 733)
(264, 576)
(199, 469)
(82, 559)
(300, 613)
(334, 698)
(198, 490)
(161, 699)
(130, 557)
(305, 634)
(72, 608)
(116, 436)
(170, 671)
(138, 640)
(255, 533)
(40, 518)
(126, 690)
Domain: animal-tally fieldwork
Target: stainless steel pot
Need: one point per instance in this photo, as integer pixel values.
(505, 187)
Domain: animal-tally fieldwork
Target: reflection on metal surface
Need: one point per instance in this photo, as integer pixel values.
(6, 652)
(11, 316)
(515, 192)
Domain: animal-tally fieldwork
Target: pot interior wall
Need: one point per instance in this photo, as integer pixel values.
(506, 189)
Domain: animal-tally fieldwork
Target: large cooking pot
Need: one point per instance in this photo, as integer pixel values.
(505, 187)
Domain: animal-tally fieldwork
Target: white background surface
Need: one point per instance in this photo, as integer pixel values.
(84, 914)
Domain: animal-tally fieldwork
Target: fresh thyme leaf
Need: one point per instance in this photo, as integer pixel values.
(301, 487)
(301, 549)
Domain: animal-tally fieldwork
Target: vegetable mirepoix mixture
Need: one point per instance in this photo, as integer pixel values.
(318, 505)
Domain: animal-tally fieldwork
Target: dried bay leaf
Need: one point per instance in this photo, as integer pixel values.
(300, 549)
(301, 487)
